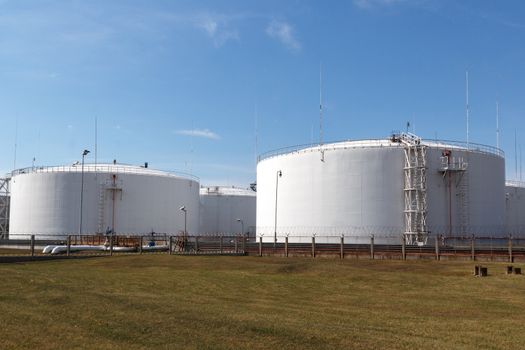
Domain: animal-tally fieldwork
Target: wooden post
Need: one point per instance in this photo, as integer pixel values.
(342, 248)
(220, 244)
(141, 243)
(196, 244)
(313, 246)
(32, 245)
(286, 246)
(111, 244)
(170, 245)
(260, 246)
(472, 249)
(403, 248)
(372, 247)
(510, 249)
(68, 251)
(437, 247)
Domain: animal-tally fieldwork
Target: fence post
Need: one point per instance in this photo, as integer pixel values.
(342, 247)
(372, 247)
(472, 248)
(220, 244)
(286, 246)
(111, 244)
(32, 245)
(403, 248)
(170, 245)
(196, 244)
(68, 250)
(141, 243)
(243, 245)
(511, 259)
(236, 238)
(313, 246)
(437, 247)
(260, 246)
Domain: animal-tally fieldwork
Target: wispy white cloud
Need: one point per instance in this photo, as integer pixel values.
(218, 27)
(204, 133)
(285, 33)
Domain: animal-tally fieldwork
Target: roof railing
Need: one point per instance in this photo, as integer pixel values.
(473, 147)
(103, 168)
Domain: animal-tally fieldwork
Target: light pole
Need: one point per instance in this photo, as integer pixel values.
(242, 226)
(278, 175)
(183, 208)
(84, 154)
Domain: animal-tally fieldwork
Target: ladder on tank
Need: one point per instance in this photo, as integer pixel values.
(415, 189)
(101, 208)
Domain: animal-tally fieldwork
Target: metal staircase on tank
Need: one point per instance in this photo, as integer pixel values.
(415, 189)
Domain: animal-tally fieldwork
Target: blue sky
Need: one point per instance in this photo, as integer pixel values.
(185, 84)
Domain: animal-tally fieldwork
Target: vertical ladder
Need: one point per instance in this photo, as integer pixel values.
(101, 208)
(463, 204)
(415, 189)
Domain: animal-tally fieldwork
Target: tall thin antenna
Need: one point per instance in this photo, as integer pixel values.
(497, 124)
(321, 111)
(16, 142)
(96, 142)
(467, 108)
(516, 153)
(320, 104)
(256, 135)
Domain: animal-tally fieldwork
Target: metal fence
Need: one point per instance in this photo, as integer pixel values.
(437, 247)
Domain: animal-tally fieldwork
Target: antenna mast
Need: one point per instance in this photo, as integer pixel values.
(320, 105)
(16, 141)
(96, 142)
(497, 124)
(516, 152)
(467, 108)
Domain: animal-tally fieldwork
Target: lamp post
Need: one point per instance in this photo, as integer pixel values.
(183, 208)
(242, 226)
(278, 175)
(84, 154)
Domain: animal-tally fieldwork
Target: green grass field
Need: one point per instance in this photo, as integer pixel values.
(161, 301)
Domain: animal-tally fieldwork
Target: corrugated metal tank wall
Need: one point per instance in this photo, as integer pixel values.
(48, 203)
(358, 191)
(515, 208)
(354, 191)
(221, 207)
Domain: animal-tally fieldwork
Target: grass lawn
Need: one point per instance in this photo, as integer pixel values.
(161, 301)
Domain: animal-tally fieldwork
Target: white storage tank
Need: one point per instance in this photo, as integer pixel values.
(391, 188)
(227, 210)
(515, 207)
(130, 200)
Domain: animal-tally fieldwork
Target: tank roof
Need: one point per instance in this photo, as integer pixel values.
(103, 168)
(386, 142)
(226, 191)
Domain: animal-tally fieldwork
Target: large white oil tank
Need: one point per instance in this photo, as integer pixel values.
(125, 199)
(363, 188)
(515, 207)
(227, 210)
